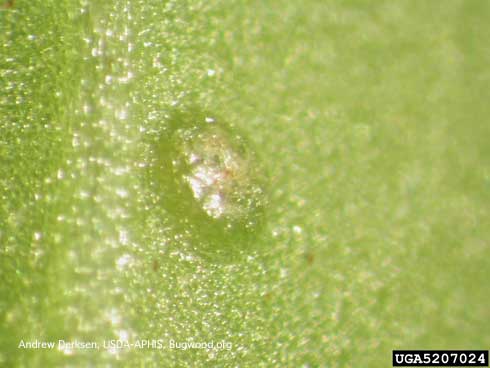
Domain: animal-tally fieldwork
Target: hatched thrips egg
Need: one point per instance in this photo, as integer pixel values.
(220, 172)
(210, 179)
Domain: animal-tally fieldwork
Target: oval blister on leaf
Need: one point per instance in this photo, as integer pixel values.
(211, 181)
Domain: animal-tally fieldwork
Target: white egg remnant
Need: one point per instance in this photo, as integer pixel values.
(220, 172)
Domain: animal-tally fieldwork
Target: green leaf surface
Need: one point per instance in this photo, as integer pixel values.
(352, 154)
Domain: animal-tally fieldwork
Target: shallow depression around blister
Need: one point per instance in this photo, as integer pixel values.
(206, 177)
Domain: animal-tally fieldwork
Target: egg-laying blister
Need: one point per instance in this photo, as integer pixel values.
(213, 182)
